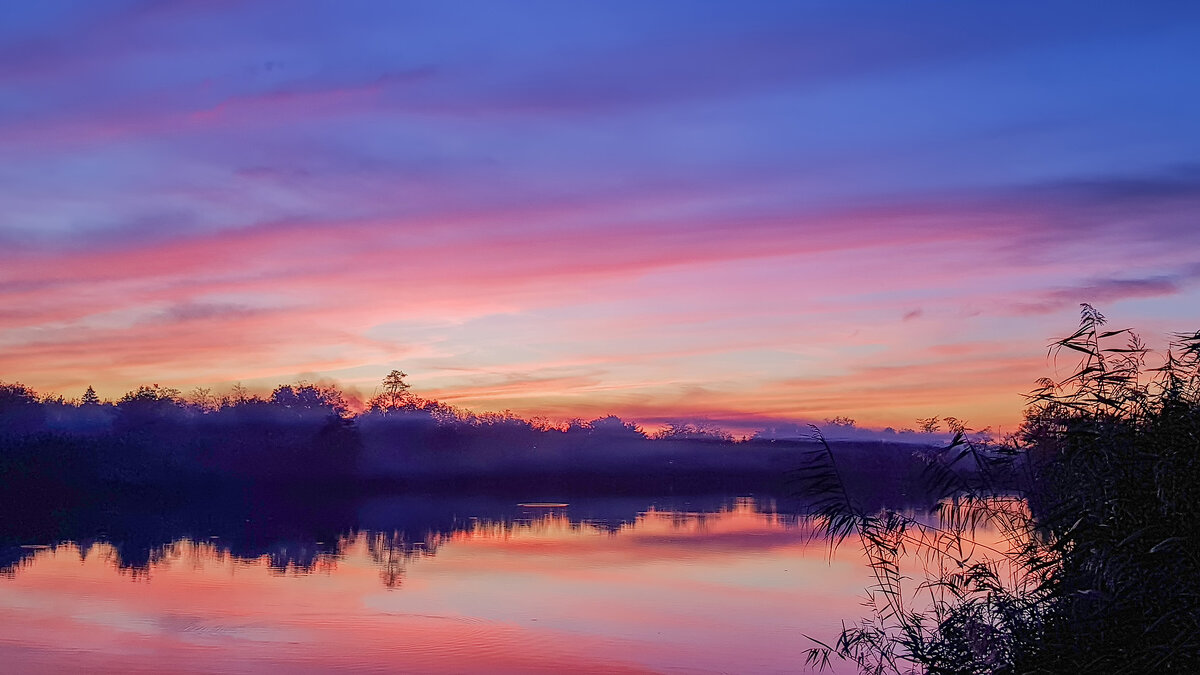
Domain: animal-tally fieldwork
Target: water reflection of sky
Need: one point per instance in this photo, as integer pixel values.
(731, 591)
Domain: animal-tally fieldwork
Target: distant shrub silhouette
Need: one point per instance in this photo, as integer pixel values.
(1097, 499)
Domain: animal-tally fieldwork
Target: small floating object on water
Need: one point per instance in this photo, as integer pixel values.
(543, 505)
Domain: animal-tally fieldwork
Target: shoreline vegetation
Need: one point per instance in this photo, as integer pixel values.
(1097, 502)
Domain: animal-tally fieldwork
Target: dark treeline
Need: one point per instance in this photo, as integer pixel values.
(304, 433)
(153, 436)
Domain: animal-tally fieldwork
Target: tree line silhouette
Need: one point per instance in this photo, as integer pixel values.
(306, 433)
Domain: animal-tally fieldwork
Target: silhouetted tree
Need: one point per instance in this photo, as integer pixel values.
(613, 426)
(20, 410)
(395, 387)
(237, 395)
(202, 400)
(313, 397)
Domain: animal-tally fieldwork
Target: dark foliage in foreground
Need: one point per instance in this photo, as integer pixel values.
(1097, 505)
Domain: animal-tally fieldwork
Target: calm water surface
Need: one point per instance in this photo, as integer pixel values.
(729, 586)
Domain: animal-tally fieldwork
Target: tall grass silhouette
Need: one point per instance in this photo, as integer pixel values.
(1096, 504)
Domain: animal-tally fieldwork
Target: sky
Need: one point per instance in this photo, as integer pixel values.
(746, 212)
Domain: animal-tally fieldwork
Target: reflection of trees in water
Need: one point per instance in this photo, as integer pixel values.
(392, 552)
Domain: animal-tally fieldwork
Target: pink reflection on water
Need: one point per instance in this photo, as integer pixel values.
(731, 591)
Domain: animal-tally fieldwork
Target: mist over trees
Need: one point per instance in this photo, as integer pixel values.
(306, 433)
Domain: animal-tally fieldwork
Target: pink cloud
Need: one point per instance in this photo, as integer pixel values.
(665, 296)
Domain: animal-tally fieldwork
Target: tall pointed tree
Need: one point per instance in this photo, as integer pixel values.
(395, 388)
